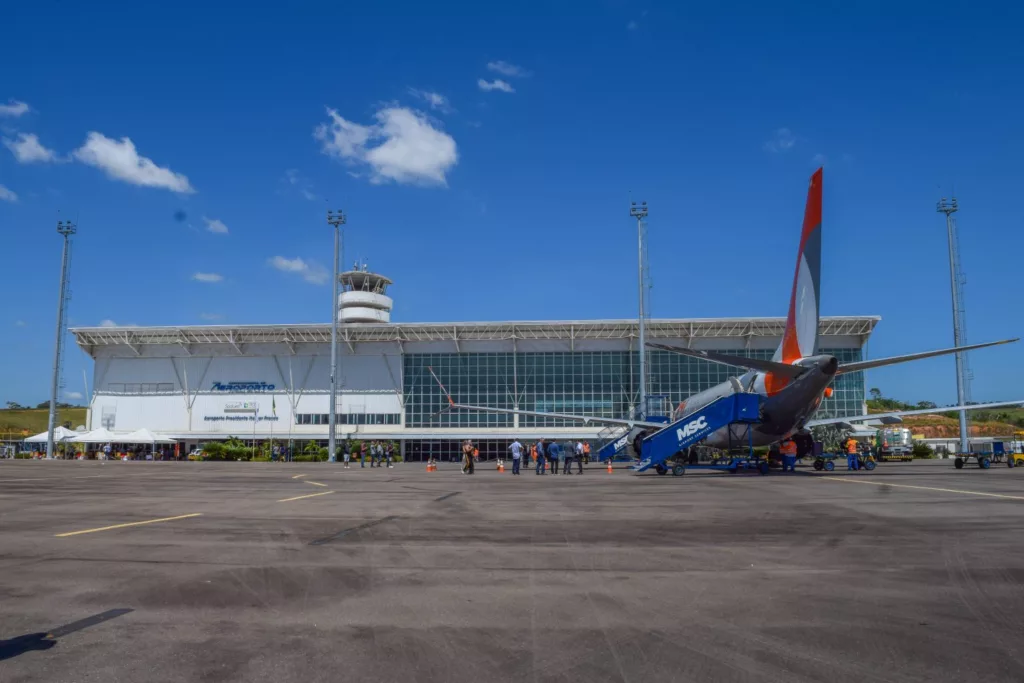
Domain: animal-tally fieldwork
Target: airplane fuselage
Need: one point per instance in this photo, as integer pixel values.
(784, 410)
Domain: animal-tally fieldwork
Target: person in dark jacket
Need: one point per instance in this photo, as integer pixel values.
(541, 454)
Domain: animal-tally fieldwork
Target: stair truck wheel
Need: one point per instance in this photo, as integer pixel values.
(763, 467)
(984, 463)
(869, 465)
(819, 464)
(958, 463)
(829, 466)
(661, 469)
(678, 470)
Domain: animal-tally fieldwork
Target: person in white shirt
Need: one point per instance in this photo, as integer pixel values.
(517, 455)
(579, 457)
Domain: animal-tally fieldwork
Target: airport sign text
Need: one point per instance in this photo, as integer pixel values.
(242, 387)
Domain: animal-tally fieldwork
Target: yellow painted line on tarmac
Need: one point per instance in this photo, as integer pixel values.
(311, 495)
(315, 483)
(122, 526)
(924, 488)
(300, 475)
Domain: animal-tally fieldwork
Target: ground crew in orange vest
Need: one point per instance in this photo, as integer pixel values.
(851, 454)
(788, 450)
(586, 452)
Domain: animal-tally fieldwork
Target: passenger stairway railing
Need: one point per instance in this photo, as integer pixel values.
(696, 426)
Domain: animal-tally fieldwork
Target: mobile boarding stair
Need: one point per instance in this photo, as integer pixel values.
(696, 426)
(618, 438)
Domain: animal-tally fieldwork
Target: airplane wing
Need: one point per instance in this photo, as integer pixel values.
(774, 367)
(904, 413)
(893, 360)
(585, 419)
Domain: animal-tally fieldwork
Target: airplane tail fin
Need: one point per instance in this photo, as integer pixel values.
(800, 338)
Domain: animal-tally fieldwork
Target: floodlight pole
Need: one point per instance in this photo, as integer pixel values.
(639, 212)
(66, 229)
(337, 219)
(949, 208)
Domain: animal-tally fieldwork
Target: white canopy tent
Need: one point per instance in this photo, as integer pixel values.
(100, 435)
(143, 436)
(59, 434)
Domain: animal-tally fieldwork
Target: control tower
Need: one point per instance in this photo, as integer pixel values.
(363, 297)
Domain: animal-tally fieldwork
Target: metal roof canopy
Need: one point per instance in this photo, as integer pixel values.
(354, 333)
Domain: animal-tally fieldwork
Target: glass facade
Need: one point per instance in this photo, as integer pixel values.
(599, 383)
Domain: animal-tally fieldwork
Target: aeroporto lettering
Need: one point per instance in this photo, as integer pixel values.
(243, 386)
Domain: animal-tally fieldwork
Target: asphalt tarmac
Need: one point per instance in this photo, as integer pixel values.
(146, 571)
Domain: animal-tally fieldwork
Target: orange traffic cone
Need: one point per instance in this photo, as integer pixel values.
(431, 466)
(609, 466)
(501, 466)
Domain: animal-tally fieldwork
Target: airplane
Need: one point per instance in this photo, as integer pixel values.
(796, 379)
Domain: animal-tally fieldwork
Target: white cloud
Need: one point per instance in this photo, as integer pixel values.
(121, 161)
(302, 185)
(819, 160)
(107, 322)
(27, 149)
(215, 226)
(496, 84)
(19, 323)
(7, 195)
(310, 271)
(403, 146)
(782, 140)
(506, 69)
(435, 99)
(632, 26)
(207, 277)
(13, 108)
(211, 316)
(73, 395)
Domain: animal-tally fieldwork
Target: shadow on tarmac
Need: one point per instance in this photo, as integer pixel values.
(13, 647)
(9, 649)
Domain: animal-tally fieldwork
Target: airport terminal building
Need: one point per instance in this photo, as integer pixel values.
(261, 382)
(202, 383)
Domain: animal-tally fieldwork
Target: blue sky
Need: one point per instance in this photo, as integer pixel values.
(485, 158)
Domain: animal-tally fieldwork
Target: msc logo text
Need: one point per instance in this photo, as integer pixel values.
(691, 428)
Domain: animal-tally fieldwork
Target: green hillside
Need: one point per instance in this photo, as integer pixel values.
(15, 424)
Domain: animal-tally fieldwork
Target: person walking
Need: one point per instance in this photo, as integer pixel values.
(359, 448)
(389, 452)
(586, 452)
(569, 451)
(346, 452)
(788, 451)
(539, 451)
(517, 455)
(580, 454)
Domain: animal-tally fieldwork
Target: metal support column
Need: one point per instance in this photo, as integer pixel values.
(640, 212)
(949, 208)
(66, 229)
(337, 220)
